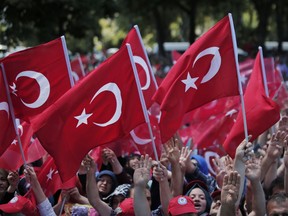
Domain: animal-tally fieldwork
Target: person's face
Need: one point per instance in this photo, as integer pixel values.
(133, 162)
(215, 206)
(116, 200)
(105, 184)
(277, 209)
(3, 183)
(198, 197)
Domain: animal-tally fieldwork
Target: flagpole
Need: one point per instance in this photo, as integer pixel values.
(62, 206)
(238, 75)
(144, 108)
(11, 109)
(146, 55)
(81, 65)
(263, 70)
(67, 60)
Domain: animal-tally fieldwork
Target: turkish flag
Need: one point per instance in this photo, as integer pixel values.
(102, 107)
(146, 76)
(258, 107)
(36, 77)
(77, 69)
(50, 180)
(205, 72)
(12, 159)
(7, 130)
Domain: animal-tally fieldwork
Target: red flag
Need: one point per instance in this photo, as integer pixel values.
(50, 180)
(101, 108)
(205, 72)
(77, 69)
(175, 56)
(12, 159)
(257, 106)
(7, 130)
(145, 74)
(37, 77)
(33, 150)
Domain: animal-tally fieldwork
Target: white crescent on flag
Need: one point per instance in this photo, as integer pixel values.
(215, 63)
(43, 84)
(140, 61)
(111, 87)
(4, 106)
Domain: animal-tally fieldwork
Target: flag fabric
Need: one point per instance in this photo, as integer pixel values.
(7, 130)
(145, 74)
(12, 159)
(50, 180)
(37, 77)
(175, 56)
(77, 69)
(101, 108)
(258, 107)
(205, 72)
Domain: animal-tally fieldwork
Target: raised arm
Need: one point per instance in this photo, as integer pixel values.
(173, 154)
(43, 204)
(141, 177)
(243, 152)
(253, 173)
(92, 188)
(285, 161)
(229, 194)
(160, 174)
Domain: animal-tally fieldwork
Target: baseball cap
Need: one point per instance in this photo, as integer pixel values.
(19, 204)
(181, 205)
(126, 208)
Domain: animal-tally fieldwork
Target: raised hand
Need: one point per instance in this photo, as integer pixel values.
(13, 179)
(172, 151)
(275, 147)
(253, 169)
(142, 172)
(89, 163)
(160, 173)
(230, 189)
(244, 151)
(184, 160)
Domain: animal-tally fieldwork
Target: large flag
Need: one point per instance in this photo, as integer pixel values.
(146, 76)
(205, 72)
(7, 130)
(36, 77)
(261, 111)
(100, 108)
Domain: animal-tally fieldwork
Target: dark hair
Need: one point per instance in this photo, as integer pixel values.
(276, 183)
(4, 172)
(278, 198)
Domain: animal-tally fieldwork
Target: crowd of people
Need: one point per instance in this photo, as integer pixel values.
(255, 182)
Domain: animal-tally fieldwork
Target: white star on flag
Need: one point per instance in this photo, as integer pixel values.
(189, 82)
(14, 90)
(14, 142)
(82, 118)
(243, 79)
(49, 175)
(231, 112)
